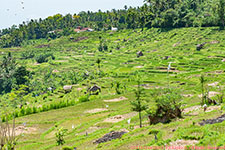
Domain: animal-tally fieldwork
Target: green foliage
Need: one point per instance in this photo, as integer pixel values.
(138, 105)
(84, 98)
(60, 136)
(17, 96)
(204, 96)
(166, 107)
(21, 75)
(44, 58)
(11, 75)
(27, 55)
(221, 13)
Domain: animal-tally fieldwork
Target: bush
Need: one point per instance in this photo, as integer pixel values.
(28, 111)
(44, 58)
(27, 55)
(167, 106)
(84, 98)
(60, 136)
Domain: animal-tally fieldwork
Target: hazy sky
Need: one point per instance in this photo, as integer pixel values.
(12, 12)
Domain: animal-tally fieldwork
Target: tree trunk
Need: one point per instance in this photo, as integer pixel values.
(140, 119)
(203, 94)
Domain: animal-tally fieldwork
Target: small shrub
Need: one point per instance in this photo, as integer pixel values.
(22, 111)
(67, 148)
(60, 136)
(27, 55)
(84, 98)
(28, 111)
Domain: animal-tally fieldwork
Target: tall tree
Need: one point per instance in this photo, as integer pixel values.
(138, 105)
(221, 7)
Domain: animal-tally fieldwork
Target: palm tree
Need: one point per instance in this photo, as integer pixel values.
(98, 61)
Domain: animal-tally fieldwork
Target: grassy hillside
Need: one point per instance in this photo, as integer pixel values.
(120, 64)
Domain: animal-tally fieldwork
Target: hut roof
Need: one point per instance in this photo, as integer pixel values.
(67, 87)
(94, 88)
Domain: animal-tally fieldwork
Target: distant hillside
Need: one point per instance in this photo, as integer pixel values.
(154, 13)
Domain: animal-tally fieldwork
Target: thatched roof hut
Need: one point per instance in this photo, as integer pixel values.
(94, 88)
(67, 87)
(139, 54)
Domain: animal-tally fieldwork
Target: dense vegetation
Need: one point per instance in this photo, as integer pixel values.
(154, 13)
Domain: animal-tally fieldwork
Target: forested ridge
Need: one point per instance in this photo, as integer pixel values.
(153, 13)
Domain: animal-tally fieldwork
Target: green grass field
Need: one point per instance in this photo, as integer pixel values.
(120, 64)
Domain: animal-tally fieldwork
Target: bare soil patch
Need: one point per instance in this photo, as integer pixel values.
(214, 42)
(195, 110)
(213, 84)
(188, 95)
(35, 64)
(176, 44)
(79, 89)
(116, 99)
(24, 130)
(80, 39)
(96, 110)
(119, 118)
(91, 54)
(55, 71)
(211, 94)
(138, 67)
(183, 143)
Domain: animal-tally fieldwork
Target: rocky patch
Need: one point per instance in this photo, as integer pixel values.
(110, 136)
(213, 121)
